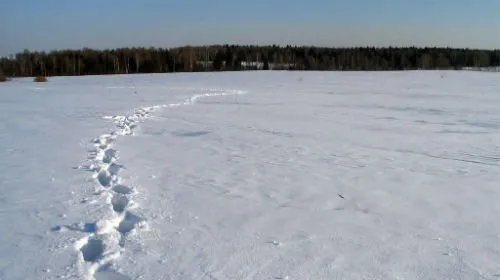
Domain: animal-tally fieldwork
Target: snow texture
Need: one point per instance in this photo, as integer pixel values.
(251, 175)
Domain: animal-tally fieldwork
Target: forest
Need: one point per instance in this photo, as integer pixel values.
(236, 57)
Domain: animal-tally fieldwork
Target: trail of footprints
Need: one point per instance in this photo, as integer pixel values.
(107, 236)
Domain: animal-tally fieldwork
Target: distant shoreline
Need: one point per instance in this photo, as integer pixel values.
(216, 58)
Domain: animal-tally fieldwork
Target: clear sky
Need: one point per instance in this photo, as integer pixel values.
(59, 24)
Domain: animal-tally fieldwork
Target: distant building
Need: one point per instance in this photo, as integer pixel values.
(259, 65)
(252, 65)
(485, 69)
(248, 65)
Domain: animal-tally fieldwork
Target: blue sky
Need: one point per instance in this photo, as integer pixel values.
(58, 24)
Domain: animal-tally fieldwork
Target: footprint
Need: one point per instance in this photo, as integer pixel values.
(113, 168)
(119, 202)
(122, 189)
(93, 249)
(109, 155)
(104, 178)
(97, 141)
(129, 222)
(101, 143)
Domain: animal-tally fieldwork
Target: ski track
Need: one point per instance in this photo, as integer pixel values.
(106, 238)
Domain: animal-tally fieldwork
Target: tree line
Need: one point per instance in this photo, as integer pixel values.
(233, 58)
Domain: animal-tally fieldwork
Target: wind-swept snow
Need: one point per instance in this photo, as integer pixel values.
(309, 175)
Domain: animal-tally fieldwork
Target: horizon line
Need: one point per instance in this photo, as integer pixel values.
(256, 45)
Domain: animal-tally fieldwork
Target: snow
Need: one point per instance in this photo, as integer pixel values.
(251, 175)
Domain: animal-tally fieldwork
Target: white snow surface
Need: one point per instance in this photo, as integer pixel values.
(251, 175)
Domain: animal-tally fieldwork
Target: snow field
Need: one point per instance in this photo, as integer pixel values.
(309, 175)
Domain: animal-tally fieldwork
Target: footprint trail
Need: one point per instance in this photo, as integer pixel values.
(106, 238)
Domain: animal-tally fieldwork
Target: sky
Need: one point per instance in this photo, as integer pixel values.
(57, 24)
